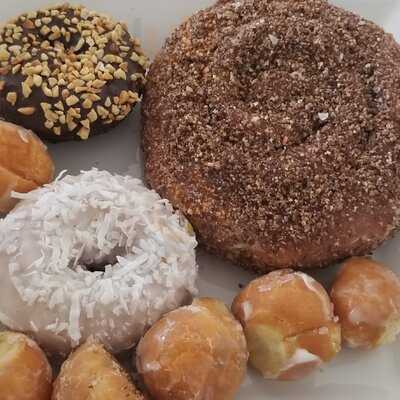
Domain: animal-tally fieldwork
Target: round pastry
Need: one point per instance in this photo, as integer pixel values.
(93, 255)
(92, 373)
(195, 352)
(67, 72)
(366, 296)
(289, 324)
(25, 373)
(273, 126)
(24, 163)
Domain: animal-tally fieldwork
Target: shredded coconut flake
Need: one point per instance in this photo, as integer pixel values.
(301, 356)
(96, 218)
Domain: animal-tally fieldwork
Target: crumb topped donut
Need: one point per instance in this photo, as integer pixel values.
(273, 125)
(95, 255)
(67, 72)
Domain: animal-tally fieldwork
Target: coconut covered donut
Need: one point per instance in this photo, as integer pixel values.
(273, 125)
(95, 255)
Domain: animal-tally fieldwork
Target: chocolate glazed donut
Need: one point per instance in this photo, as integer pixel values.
(67, 72)
(274, 126)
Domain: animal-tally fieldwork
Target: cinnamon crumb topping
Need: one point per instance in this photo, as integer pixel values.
(275, 125)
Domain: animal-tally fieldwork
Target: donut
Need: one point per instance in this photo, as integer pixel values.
(273, 126)
(289, 324)
(25, 373)
(25, 163)
(366, 296)
(195, 352)
(92, 373)
(94, 255)
(68, 73)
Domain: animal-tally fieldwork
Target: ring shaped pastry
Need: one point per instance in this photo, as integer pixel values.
(95, 255)
(273, 125)
(67, 72)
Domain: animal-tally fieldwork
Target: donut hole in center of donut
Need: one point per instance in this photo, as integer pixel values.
(99, 266)
(95, 261)
(286, 91)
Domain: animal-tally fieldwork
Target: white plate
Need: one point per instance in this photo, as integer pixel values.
(353, 375)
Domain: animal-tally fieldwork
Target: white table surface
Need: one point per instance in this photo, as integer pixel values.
(353, 375)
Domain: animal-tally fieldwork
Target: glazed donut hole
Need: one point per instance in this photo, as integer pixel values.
(92, 373)
(289, 324)
(25, 372)
(366, 296)
(195, 352)
(25, 163)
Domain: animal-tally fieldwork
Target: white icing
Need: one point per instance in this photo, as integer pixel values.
(275, 280)
(247, 310)
(312, 286)
(309, 282)
(95, 217)
(152, 366)
(323, 331)
(23, 134)
(301, 356)
(166, 331)
(356, 316)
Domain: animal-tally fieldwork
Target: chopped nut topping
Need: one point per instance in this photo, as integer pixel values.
(48, 92)
(120, 74)
(12, 98)
(92, 116)
(71, 125)
(37, 80)
(4, 54)
(27, 110)
(86, 123)
(102, 111)
(87, 104)
(72, 100)
(49, 124)
(84, 133)
(28, 24)
(37, 46)
(59, 105)
(26, 90)
(16, 69)
(45, 30)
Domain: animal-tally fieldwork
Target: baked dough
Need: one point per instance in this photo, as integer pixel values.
(273, 125)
